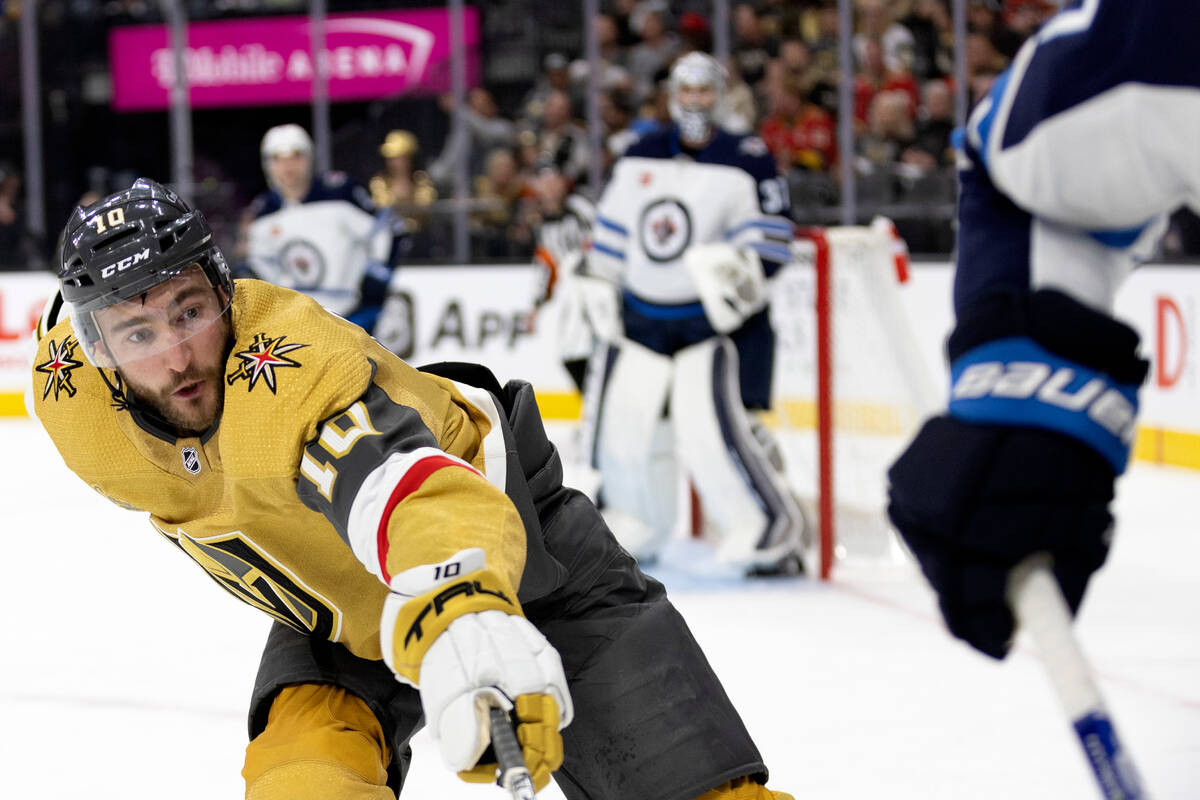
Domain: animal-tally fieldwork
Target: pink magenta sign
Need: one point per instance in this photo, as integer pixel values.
(268, 61)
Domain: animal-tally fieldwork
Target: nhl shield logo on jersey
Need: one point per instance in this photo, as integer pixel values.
(58, 368)
(261, 359)
(666, 230)
(191, 460)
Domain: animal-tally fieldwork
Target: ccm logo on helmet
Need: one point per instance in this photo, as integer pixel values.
(125, 263)
(1024, 380)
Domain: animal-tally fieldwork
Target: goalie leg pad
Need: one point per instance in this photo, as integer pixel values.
(633, 450)
(745, 495)
(320, 741)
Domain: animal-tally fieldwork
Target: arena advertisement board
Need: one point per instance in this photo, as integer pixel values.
(23, 295)
(485, 314)
(1163, 304)
(269, 61)
(479, 314)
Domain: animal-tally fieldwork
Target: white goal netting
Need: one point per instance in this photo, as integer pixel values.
(879, 387)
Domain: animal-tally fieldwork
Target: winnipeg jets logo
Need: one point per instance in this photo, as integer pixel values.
(58, 368)
(303, 261)
(666, 229)
(261, 359)
(191, 460)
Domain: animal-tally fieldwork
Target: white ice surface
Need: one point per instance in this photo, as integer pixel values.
(125, 671)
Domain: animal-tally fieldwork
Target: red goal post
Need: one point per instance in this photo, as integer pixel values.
(851, 385)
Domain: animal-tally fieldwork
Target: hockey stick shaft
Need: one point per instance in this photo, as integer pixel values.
(514, 775)
(1042, 612)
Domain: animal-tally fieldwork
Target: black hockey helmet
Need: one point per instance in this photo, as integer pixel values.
(129, 243)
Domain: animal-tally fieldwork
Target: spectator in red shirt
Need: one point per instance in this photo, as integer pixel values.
(873, 77)
(799, 133)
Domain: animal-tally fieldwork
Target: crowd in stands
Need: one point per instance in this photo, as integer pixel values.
(783, 85)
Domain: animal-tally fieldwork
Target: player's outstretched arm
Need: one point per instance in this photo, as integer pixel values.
(1043, 404)
(456, 631)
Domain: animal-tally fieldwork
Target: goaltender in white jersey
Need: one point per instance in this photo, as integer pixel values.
(691, 226)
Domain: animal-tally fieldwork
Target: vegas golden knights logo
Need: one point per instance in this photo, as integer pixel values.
(255, 578)
(58, 368)
(261, 359)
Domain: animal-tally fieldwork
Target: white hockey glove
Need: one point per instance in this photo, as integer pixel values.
(456, 632)
(730, 283)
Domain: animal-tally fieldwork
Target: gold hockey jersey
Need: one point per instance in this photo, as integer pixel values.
(333, 467)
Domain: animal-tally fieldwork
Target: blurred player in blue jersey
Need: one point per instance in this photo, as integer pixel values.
(690, 228)
(318, 234)
(1068, 170)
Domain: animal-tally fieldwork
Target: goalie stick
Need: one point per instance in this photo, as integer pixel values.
(514, 775)
(1040, 609)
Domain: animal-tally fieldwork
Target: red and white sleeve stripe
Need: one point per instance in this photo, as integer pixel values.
(384, 489)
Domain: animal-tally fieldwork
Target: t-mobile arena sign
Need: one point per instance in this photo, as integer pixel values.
(268, 60)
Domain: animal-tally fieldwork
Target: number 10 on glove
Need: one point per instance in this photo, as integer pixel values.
(456, 632)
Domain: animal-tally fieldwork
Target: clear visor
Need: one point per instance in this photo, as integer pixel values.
(165, 316)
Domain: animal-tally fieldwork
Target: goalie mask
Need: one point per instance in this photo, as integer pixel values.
(121, 249)
(696, 89)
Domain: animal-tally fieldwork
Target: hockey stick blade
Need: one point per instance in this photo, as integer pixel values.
(1042, 612)
(514, 775)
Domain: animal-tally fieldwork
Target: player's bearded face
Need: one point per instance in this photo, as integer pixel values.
(183, 379)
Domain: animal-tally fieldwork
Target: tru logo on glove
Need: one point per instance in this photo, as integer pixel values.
(438, 604)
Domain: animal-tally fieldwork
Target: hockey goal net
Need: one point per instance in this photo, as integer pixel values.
(851, 385)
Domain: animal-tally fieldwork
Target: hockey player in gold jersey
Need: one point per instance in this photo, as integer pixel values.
(407, 529)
